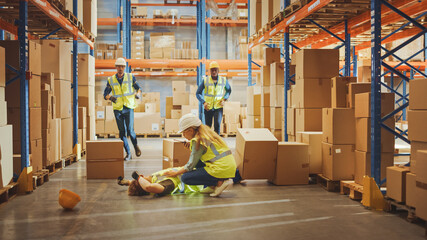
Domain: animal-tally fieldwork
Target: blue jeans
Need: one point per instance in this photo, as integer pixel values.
(199, 177)
(124, 120)
(216, 115)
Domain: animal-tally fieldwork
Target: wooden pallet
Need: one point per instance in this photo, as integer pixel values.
(289, 10)
(73, 19)
(83, 153)
(68, 160)
(328, 184)
(8, 192)
(276, 20)
(393, 206)
(40, 177)
(242, 18)
(139, 16)
(226, 135)
(189, 70)
(149, 135)
(162, 69)
(158, 16)
(221, 18)
(55, 167)
(173, 135)
(188, 17)
(353, 189)
(58, 6)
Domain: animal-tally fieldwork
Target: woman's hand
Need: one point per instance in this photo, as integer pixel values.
(186, 144)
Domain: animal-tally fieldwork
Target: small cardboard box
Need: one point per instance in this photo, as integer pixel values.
(171, 125)
(231, 108)
(265, 97)
(292, 166)
(338, 126)
(396, 183)
(363, 135)
(258, 150)
(356, 88)
(308, 120)
(314, 141)
(179, 86)
(265, 117)
(277, 94)
(277, 74)
(104, 169)
(175, 154)
(254, 121)
(338, 161)
(176, 113)
(271, 55)
(265, 75)
(291, 128)
(317, 63)
(180, 98)
(363, 104)
(339, 87)
(276, 119)
(416, 121)
(82, 118)
(100, 150)
(421, 166)
(417, 91)
(254, 100)
(312, 93)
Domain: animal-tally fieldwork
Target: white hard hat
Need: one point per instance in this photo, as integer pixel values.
(120, 62)
(187, 121)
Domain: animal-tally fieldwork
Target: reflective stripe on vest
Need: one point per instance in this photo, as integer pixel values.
(124, 93)
(214, 93)
(217, 154)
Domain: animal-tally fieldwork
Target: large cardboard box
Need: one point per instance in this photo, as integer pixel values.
(256, 16)
(265, 97)
(356, 88)
(317, 63)
(6, 155)
(277, 74)
(339, 88)
(277, 94)
(411, 189)
(171, 125)
(416, 122)
(12, 93)
(86, 73)
(175, 154)
(265, 75)
(100, 150)
(312, 93)
(314, 141)
(415, 146)
(104, 169)
(169, 107)
(180, 98)
(363, 104)
(63, 98)
(308, 120)
(421, 166)
(254, 100)
(11, 48)
(338, 126)
(258, 151)
(271, 55)
(292, 166)
(338, 161)
(421, 206)
(179, 86)
(56, 55)
(254, 121)
(36, 150)
(291, 128)
(87, 99)
(2, 68)
(363, 135)
(276, 119)
(66, 136)
(265, 117)
(100, 126)
(147, 123)
(90, 17)
(82, 118)
(396, 182)
(362, 165)
(417, 90)
(267, 12)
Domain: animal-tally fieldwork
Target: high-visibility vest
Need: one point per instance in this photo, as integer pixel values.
(180, 187)
(214, 94)
(124, 92)
(218, 159)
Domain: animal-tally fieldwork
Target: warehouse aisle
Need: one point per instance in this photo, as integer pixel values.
(254, 211)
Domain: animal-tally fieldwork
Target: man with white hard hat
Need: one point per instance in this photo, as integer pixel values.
(122, 89)
(217, 90)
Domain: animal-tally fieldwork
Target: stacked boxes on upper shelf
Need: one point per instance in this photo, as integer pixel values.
(138, 50)
(162, 45)
(186, 52)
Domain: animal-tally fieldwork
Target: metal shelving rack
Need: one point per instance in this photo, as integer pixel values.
(58, 27)
(374, 19)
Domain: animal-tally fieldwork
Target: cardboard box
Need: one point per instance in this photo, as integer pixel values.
(265, 117)
(363, 135)
(3, 110)
(256, 16)
(87, 99)
(82, 118)
(317, 63)
(100, 150)
(312, 93)
(86, 73)
(314, 141)
(277, 93)
(396, 183)
(254, 121)
(36, 149)
(11, 57)
(277, 74)
(90, 128)
(104, 169)
(6, 155)
(420, 206)
(267, 11)
(415, 146)
(90, 16)
(100, 126)
(265, 75)
(265, 97)
(421, 166)
(231, 128)
(258, 151)
(66, 136)
(362, 165)
(339, 90)
(180, 98)
(56, 57)
(356, 88)
(2, 68)
(276, 119)
(271, 55)
(338, 126)
(12, 93)
(231, 108)
(411, 190)
(364, 74)
(291, 128)
(57, 137)
(148, 123)
(171, 125)
(231, 118)
(100, 112)
(308, 120)
(179, 86)
(416, 122)
(63, 98)
(417, 90)
(363, 104)
(110, 121)
(169, 107)
(150, 107)
(254, 100)
(292, 166)
(176, 114)
(175, 154)
(338, 161)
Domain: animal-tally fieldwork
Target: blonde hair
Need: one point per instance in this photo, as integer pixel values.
(204, 132)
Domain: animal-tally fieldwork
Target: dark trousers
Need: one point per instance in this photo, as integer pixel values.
(124, 120)
(199, 176)
(216, 115)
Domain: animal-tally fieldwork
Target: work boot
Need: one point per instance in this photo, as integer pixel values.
(137, 151)
(128, 156)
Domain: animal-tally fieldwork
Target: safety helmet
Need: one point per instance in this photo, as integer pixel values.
(120, 62)
(187, 121)
(68, 199)
(213, 64)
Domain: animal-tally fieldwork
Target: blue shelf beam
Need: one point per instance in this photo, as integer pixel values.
(287, 77)
(75, 84)
(50, 34)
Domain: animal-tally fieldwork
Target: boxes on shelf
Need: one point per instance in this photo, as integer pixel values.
(104, 159)
(339, 88)
(312, 93)
(316, 63)
(338, 161)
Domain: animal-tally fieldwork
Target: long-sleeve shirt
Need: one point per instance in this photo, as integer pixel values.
(108, 89)
(199, 93)
(195, 156)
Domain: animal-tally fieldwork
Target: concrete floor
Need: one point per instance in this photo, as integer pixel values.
(256, 210)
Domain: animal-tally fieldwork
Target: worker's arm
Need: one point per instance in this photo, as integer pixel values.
(227, 90)
(107, 91)
(136, 86)
(199, 93)
(195, 156)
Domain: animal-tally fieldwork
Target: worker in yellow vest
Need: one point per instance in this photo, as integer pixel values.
(122, 89)
(212, 93)
(211, 162)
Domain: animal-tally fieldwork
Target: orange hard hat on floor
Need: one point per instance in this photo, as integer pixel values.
(68, 199)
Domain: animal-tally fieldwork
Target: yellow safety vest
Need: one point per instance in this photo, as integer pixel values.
(214, 94)
(218, 159)
(124, 92)
(180, 187)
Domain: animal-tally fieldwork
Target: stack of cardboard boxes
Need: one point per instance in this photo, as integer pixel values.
(86, 89)
(138, 50)
(108, 51)
(254, 106)
(90, 17)
(82, 128)
(139, 12)
(186, 52)
(231, 119)
(147, 114)
(34, 100)
(7, 167)
(162, 45)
